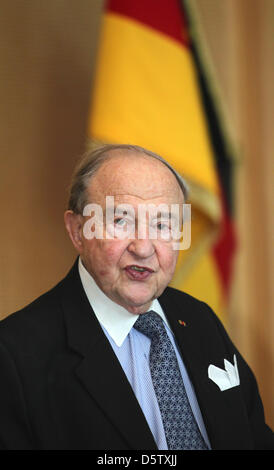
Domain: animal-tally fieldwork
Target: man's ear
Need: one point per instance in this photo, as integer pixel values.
(74, 224)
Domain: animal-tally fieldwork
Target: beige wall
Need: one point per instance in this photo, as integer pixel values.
(47, 59)
(46, 56)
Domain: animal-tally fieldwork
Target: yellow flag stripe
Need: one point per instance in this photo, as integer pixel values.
(204, 283)
(137, 101)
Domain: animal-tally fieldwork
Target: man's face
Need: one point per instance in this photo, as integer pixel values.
(132, 271)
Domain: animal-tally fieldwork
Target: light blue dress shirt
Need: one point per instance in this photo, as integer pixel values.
(132, 350)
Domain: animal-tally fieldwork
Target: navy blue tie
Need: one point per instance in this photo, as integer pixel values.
(181, 429)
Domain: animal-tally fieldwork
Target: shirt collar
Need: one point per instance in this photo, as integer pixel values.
(113, 317)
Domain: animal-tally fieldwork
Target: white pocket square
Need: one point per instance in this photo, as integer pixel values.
(227, 378)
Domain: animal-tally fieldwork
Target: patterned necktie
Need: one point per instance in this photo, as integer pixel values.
(181, 430)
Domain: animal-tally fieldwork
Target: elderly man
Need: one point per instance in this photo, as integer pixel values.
(112, 358)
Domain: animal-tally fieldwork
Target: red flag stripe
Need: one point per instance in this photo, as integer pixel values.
(165, 16)
(224, 249)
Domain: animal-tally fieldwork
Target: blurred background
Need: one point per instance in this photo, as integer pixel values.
(48, 57)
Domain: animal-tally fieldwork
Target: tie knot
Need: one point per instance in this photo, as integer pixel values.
(150, 324)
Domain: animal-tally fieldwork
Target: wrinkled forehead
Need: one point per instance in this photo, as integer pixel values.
(136, 176)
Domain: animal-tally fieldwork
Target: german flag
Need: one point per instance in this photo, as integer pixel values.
(151, 90)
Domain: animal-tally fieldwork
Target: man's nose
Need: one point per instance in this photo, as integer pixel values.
(143, 248)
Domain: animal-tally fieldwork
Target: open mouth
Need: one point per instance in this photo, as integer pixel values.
(138, 273)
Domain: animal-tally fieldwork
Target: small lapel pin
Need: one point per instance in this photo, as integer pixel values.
(183, 323)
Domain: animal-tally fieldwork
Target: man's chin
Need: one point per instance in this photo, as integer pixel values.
(138, 304)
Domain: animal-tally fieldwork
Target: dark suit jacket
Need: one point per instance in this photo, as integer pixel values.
(62, 386)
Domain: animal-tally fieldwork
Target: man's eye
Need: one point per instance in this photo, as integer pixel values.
(162, 226)
(120, 222)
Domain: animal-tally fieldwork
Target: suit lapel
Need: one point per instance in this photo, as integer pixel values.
(99, 371)
(222, 411)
